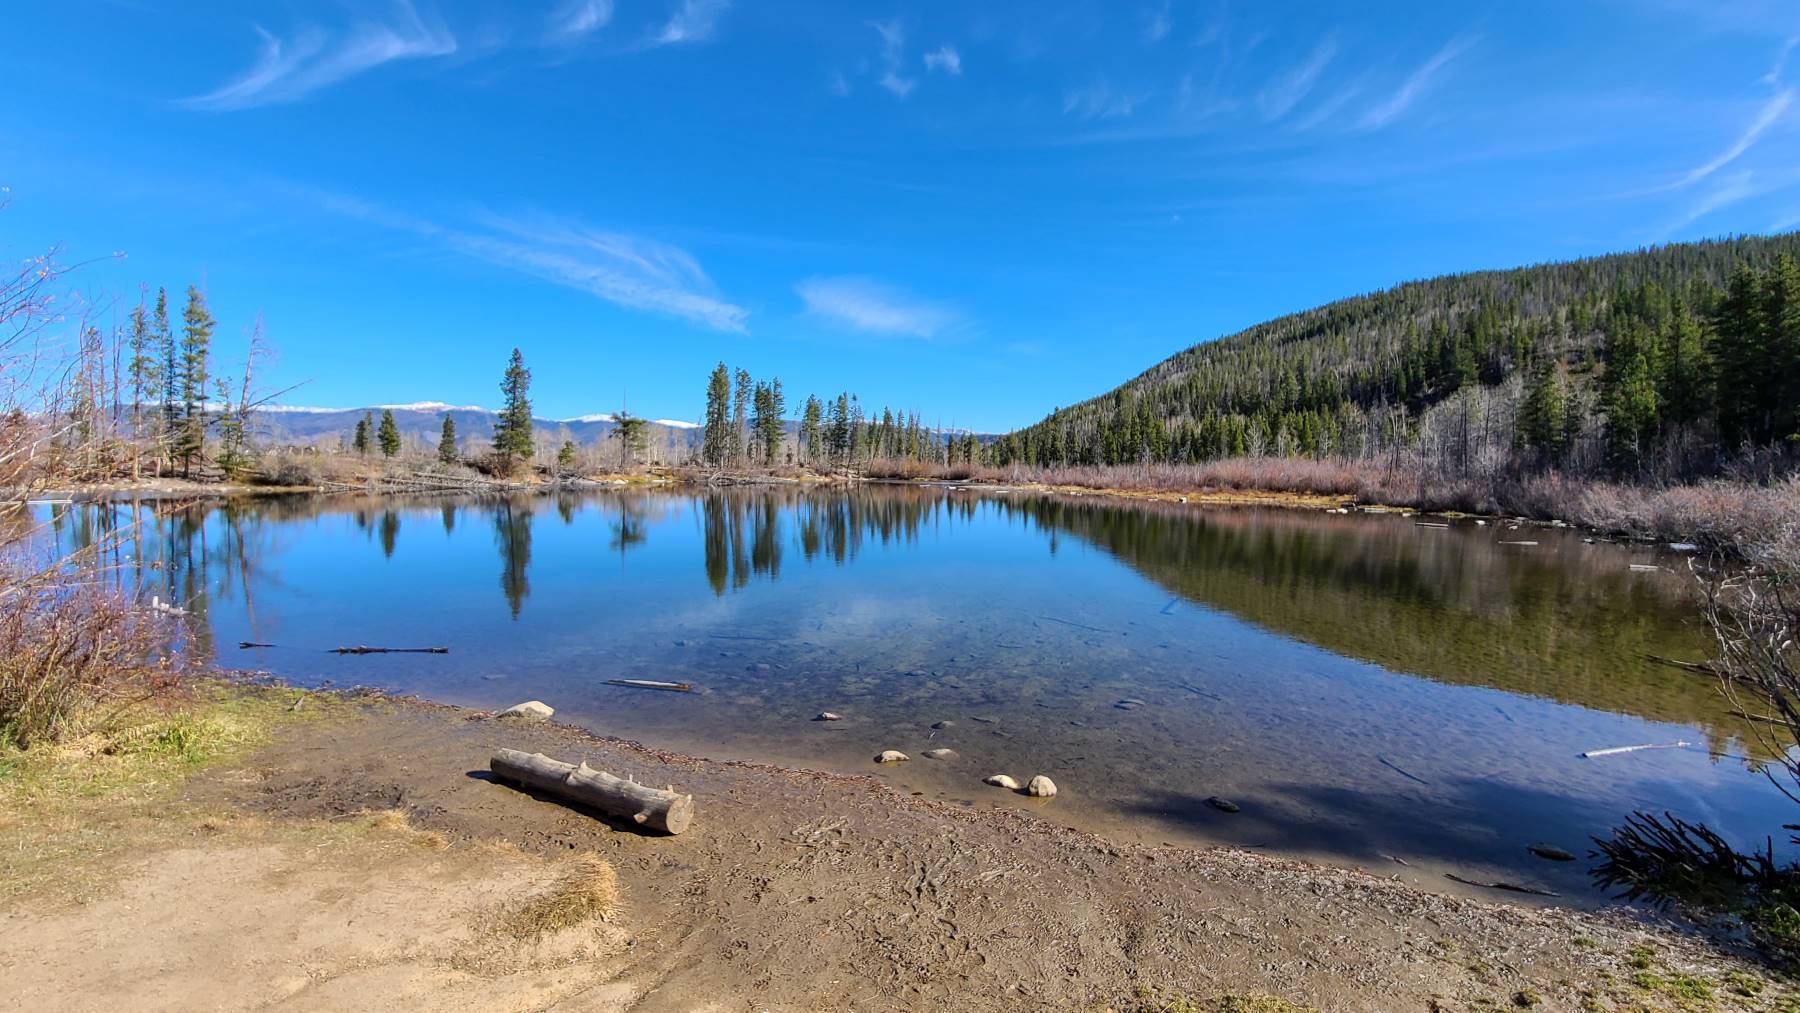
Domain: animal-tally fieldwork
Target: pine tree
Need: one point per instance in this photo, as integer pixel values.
(1628, 396)
(740, 410)
(512, 431)
(716, 436)
(446, 450)
(388, 435)
(145, 374)
(1541, 414)
(812, 428)
(196, 341)
(565, 458)
(365, 426)
(171, 373)
(628, 429)
(839, 434)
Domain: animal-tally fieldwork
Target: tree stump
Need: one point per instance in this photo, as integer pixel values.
(656, 808)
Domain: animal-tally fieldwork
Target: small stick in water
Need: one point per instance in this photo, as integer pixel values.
(245, 645)
(673, 687)
(390, 650)
(1391, 765)
(1514, 887)
(1615, 750)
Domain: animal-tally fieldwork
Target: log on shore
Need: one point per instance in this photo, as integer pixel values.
(656, 808)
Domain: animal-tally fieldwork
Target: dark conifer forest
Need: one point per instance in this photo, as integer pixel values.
(1673, 362)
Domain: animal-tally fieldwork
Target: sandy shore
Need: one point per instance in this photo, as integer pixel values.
(250, 885)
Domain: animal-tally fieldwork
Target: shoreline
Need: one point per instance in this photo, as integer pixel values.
(800, 888)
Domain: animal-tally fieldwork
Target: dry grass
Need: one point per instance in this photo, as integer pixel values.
(73, 648)
(393, 821)
(589, 892)
(1727, 514)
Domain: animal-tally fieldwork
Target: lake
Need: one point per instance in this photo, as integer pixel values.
(1364, 687)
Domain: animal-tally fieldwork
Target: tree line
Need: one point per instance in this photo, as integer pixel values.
(745, 424)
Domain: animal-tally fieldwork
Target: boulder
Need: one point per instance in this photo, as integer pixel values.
(940, 754)
(1041, 787)
(1001, 781)
(892, 756)
(530, 710)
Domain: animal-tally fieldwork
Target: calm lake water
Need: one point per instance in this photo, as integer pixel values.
(1363, 687)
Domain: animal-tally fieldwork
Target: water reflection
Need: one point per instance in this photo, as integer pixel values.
(1264, 645)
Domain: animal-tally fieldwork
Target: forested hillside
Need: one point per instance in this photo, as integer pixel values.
(1667, 362)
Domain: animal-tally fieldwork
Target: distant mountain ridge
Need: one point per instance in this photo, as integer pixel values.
(423, 421)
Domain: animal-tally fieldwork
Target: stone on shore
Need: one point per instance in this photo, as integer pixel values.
(1001, 781)
(1041, 787)
(530, 710)
(892, 756)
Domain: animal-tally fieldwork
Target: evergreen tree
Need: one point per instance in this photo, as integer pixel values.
(740, 411)
(1541, 415)
(446, 450)
(716, 435)
(171, 372)
(628, 429)
(196, 342)
(812, 429)
(512, 431)
(839, 433)
(365, 426)
(1628, 397)
(565, 458)
(388, 435)
(144, 372)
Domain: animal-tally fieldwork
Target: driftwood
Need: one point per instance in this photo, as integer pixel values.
(390, 650)
(1616, 750)
(245, 645)
(656, 808)
(673, 687)
(1513, 887)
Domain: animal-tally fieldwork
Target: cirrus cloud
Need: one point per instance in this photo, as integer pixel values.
(874, 307)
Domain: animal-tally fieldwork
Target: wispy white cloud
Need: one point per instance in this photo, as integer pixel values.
(630, 271)
(1159, 23)
(893, 54)
(1729, 190)
(1773, 77)
(946, 59)
(576, 19)
(1766, 117)
(1101, 101)
(693, 21)
(1285, 92)
(870, 306)
(292, 68)
(1416, 83)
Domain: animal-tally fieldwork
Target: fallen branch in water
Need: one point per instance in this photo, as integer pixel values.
(673, 687)
(390, 650)
(1391, 765)
(245, 645)
(1513, 887)
(1615, 750)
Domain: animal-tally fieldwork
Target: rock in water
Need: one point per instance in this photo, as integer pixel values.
(940, 754)
(1130, 703)
(828, 716)
(1001, 781)
(1551, 853)
(892, 756)
(1224, 805)
(1041, 787)
(530, 710)
(941, 725)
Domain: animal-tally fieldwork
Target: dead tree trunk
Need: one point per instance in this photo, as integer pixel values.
(656, 808)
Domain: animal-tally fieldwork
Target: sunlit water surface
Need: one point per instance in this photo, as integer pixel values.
(1364, 688)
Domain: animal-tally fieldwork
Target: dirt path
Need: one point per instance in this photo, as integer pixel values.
(795, 890)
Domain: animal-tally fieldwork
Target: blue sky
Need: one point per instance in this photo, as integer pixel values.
(979, 210)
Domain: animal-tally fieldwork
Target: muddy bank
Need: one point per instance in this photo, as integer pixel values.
(802, 890)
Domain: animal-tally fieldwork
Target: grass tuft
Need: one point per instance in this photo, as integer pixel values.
(590, 892)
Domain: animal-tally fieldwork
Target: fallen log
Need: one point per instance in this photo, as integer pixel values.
(245, 645)
(390, 650)
(673, 687)
(656, 808)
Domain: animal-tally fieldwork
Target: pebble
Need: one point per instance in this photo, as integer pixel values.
(1041, 787)
(1001, 781)
(1550, 852)
(1224, 805)
(530, 710)
(828, 716)
(941, 725)
(892, 756)
(940, 754)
